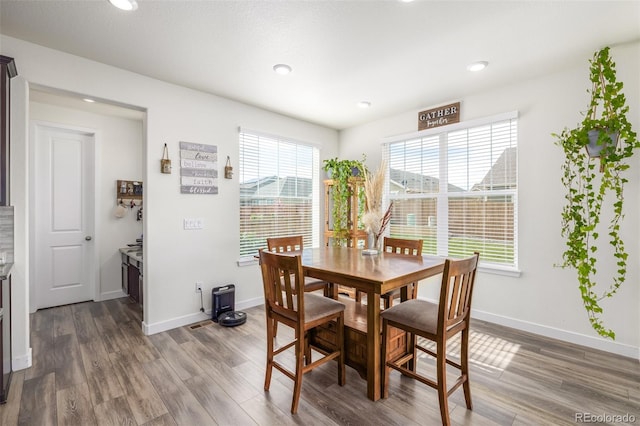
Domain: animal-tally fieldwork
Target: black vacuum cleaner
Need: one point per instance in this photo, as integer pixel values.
(223, 305)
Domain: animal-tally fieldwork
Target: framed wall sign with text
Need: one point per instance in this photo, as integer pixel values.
(198, 168)
(440, 116)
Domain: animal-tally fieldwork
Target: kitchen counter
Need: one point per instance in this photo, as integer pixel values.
(134, 253)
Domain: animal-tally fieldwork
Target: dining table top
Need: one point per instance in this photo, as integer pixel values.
(379, 273)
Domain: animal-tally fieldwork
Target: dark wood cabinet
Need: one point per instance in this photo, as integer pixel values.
(7, 71)
(5, 337)
(133, 278)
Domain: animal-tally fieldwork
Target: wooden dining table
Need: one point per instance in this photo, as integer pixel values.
(374, 275)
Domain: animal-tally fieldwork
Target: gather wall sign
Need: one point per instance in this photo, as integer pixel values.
(440, 116)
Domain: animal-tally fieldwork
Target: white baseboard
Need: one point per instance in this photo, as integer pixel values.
(556, 333)
(245, 304)
(111, 295)
(170, 324)
(22, 362)
(161, 326)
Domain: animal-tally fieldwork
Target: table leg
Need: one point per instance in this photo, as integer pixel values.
(374, 369)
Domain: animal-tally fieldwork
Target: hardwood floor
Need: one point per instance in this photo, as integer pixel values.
(93, 365)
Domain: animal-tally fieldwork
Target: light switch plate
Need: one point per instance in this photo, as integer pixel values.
(192, 223)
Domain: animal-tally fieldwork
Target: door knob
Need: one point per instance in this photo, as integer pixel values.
(88, 238)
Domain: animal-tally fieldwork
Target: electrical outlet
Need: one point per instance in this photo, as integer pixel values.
(198, 287)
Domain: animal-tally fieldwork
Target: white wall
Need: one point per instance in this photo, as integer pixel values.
(119, 154)
(174, 258)
(544, 299)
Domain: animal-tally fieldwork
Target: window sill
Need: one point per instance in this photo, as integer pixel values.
(499, 270)
(247, 261)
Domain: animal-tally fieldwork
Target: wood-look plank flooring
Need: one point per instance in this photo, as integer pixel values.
(93, 366)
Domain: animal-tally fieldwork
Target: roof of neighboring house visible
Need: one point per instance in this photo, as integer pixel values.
(415, 183)
(272, 186)
(503, 174)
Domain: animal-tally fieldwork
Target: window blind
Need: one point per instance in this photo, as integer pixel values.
(457, 190)
(279, 191)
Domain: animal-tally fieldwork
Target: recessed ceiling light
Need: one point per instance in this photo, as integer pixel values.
(125, 4)
(477, 66)
(364, 104)
(282, 69)
(88, 100)
(405, 1)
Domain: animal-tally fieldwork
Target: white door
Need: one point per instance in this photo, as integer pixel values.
(64, 211)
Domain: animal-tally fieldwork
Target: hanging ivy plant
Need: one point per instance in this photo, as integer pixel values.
(608, 136)
(341, 171)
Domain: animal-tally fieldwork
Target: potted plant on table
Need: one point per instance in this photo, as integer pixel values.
(340, 171)
(609, 137)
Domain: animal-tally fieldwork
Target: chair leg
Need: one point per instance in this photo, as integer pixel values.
(297, 387)
(307, 350)
(385, 350)
(412, 339)
(441, 364)
(387, 301)
(267, 375)
(342, 377)
(464, 363)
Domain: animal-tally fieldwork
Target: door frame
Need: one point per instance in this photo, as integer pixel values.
(94, 276)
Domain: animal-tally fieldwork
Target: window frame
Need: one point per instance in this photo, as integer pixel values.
(314, 169)
(444, 195)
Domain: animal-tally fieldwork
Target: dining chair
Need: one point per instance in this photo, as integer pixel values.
(437, 323)
(295, 243)
(405, 247)
(287, 303)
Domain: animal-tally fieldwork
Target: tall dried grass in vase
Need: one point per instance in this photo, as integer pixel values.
(374, 220)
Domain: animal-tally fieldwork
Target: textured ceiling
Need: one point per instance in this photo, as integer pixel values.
(398, 56)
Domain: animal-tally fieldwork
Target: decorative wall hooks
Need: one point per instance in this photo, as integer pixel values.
(228, 170)
(128, 195)
(165, 163)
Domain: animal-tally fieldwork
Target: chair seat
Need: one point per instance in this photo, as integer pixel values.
(393, 294)
(313, 284)
(316, 307)
(415, 313)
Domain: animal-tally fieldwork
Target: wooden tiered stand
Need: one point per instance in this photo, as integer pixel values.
(357, 236)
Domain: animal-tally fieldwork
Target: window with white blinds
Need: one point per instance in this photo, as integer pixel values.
(279, 191)
(457, 189)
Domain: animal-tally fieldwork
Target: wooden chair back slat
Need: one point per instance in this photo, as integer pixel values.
(402, 246)
(283, 286)
(455, 294)
(284, 244)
